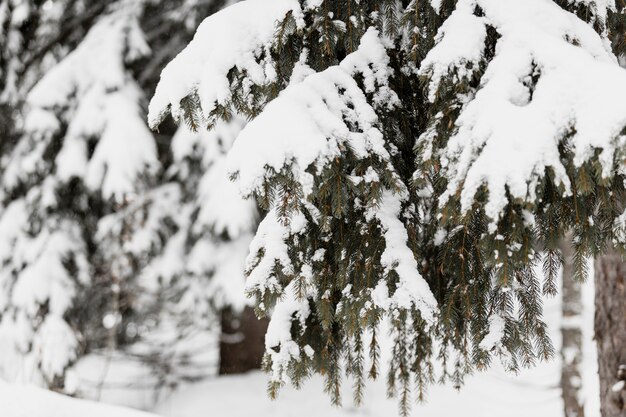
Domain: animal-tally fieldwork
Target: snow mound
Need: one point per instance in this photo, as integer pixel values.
(28, 401)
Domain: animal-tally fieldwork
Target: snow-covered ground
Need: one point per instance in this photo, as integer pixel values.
(490, 395)
(26, 401)
(495, 393)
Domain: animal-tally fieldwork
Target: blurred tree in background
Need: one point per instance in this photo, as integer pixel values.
(114, 240)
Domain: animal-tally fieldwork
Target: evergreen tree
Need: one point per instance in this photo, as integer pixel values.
(80, 114)
(178, 251)
(417, 161)
(113, 240)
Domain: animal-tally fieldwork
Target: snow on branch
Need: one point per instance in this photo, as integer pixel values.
(412, 289)
(552, 81)
(238, 37)
(311, 122)
(327, 112)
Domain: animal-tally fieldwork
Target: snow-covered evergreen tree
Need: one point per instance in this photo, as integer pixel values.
(179, 250)
(79, 116)
(417, 160)
(113, 239)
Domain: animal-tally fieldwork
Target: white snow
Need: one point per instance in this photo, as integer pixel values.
(222, 218)
(495, 334)
(460, 47)
(590, 391)
(599, 8)
(279, 343)
(222, 208)
(224, 263)
(494, 393)
(56, 344)
(270, 239)
(412, 289)
(27, 401)
(104, 103)
(33, 275)
(619, 229)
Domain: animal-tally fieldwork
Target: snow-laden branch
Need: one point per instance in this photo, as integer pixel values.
(552, 81)
(312, 122)
(238, 37)
(322, 119)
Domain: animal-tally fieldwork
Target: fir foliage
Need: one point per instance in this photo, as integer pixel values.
(324, 264)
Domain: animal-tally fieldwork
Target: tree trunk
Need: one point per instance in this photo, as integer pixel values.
(242, 342)
(610, 333)
(571, 333)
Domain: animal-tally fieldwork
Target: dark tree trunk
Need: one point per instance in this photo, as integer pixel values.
(242, 343)
(610, 333)
(571, 333)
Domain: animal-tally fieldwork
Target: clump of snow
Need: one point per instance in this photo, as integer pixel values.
(459, 50)
(619, 230)
(412, 289)
(203, 66)
(34, 275)
(279, 342)
(105, 104)
(222, 208)
(226, 266)
(270, 242)
(436, 4)
(495, 334)
(223, 221)
(45, 279)
(618, 386)
(599, 8)
(57, 344)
